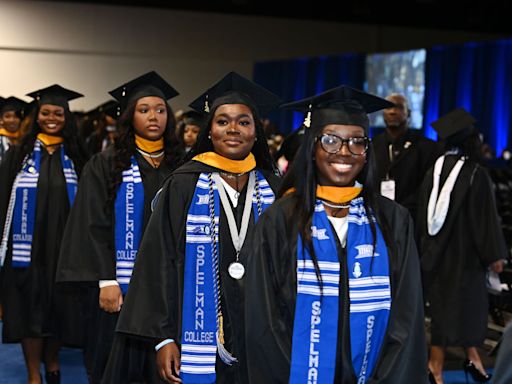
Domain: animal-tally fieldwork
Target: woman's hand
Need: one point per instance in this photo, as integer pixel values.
(168, 363)
(111, 298)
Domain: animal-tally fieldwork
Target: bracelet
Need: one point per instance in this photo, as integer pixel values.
(162, 343)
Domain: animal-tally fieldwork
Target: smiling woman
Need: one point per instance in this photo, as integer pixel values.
(39, 181)
(193, 307)
(333, 285)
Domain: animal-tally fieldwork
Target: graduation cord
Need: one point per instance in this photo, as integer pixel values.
(258, 198)
(224, 354)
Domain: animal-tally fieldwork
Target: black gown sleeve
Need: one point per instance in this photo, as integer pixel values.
(403, 358)
(86, 250)
(8, 166)
(484, 224)
(269, 298)
(152, 304)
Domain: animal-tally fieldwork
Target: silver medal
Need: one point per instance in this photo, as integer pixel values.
(236, 270)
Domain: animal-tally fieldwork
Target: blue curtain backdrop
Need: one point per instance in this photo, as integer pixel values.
(299, 78)
(475, 76)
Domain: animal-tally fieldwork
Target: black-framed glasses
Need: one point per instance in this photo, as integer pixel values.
(331, 143)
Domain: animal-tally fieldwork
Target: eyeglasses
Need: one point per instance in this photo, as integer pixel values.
(332, 144)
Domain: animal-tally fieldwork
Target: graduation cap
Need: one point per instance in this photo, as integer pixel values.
(149, 84)
(236, 89)
(55, 95)
(339, 105)
(192, 117)
(110, 108)
(457, 124)
(13, 104)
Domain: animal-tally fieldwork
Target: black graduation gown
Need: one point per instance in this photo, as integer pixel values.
(271, 289)
(153, 305)
(33, 305)
(88, 255)
(454, 262)
(413, 155)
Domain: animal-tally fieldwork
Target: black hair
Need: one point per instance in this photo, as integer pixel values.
(303, 178)
(124, 148)
(73, 145)
(189, 118)
(260, 148)
(468, 143)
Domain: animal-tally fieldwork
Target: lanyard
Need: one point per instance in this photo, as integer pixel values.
(237, 237)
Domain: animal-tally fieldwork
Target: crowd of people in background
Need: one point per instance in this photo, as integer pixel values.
(204, 245)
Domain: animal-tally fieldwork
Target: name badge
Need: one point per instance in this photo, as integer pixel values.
(387, 189)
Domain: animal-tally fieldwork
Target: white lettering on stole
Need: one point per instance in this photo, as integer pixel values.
(199, 314)
(370, 321)
(130, 224)
(24, 207)
(314, 339)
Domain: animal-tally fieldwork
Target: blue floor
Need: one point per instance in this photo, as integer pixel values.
(12, 365)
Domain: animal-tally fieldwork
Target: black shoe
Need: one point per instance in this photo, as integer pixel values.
(52, 377)
(476, 374)
(431, 378)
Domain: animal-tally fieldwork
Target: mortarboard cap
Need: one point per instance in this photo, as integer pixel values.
(457, 122)
(339, 105)
(149, 84)
(13, 104)
(192, 117)
(236, 89)
(110, 108)
(54, 95)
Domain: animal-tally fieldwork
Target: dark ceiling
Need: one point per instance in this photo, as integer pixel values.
(489, 16)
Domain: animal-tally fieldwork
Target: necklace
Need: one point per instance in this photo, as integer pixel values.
(151, 155)
(339, 206)
(231, 175)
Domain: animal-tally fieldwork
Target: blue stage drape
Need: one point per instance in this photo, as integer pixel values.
(299, 78)
(475, 76)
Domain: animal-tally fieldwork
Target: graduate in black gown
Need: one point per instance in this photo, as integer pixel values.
(103, 119)
(39, 181)
(186, 292)
(111, 211)
(459, 239)
(333, 291)
(11, 113)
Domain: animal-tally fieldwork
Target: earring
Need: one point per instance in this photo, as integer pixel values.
(209, 137)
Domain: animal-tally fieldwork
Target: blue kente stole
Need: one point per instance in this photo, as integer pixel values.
(22, 205)
(129, 211)
(200, 301)
(315, 331)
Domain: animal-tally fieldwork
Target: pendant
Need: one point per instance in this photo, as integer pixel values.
(236, 270)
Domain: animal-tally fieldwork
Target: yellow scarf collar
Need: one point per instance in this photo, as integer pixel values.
(49, 139)
(232, 166)
(149, 146)
(337, 195)
(10, 135)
